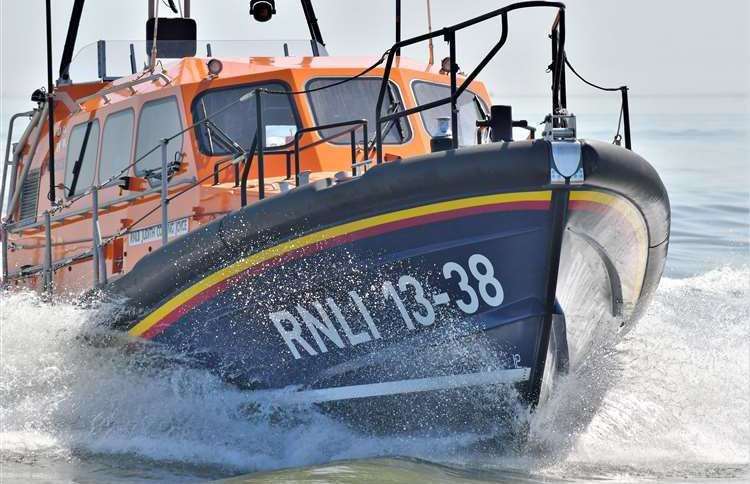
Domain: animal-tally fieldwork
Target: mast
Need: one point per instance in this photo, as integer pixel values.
(312, 24)
(430, 47)
(398, 26)
(70, 41)
(51, 106)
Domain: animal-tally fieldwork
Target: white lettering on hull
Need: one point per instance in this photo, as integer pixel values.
(151, 234)
(354, 338)
(293, 334)
(315, 326)
(486, 288)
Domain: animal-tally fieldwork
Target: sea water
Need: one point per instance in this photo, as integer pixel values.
(677, 405)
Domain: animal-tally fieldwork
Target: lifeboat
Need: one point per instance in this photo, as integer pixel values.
(363, 235)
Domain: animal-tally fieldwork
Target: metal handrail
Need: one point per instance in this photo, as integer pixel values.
(237, 176)
(557, 68)
(100, 274)
(15, 196)
(248, 95)
(258, 143)
(246, 172)
(242, 182)
(6, 163)
(156, 76)
(100, 271)
(6, 158)
(99, 268)
(16, 227)
(449, 35)
(354, 124)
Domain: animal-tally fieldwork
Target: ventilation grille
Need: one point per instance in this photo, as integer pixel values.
(29, 195)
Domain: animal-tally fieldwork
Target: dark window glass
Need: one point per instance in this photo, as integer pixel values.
(117, 140)
(88, 158)
(468, 113)
(357, 99)
(239, 120)
(158, 120)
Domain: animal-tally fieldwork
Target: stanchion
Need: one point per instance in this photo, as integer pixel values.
(48, 272)
(164, 187)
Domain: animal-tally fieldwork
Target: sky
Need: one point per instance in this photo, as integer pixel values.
(658, 47)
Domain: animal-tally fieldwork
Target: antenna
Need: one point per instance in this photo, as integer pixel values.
(312, 23)
(398, 26)
(429, 29)
(50, 109)
(152, 60)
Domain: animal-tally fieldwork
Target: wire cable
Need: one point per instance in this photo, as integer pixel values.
(609, 89)
(334, 84)
(130, 227)
(618, 137)
(242, 98)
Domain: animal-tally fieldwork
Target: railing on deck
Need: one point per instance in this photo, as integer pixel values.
(449, 35)
(559, 104)
(353, 126)
(49, 266)
(259, 140)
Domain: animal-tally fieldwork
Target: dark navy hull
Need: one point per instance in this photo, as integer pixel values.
(419, 294)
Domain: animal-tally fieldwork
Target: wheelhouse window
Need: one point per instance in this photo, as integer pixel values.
(230, 121)
(471, 108)
(83, 143)
(357, 99)
(117, 140)
(159, 119)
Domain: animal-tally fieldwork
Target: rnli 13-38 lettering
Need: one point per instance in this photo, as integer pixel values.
(318, 327)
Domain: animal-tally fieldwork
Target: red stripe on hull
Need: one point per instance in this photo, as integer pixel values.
(212, 291)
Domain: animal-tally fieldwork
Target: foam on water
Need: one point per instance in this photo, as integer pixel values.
(61, 398)
(679, 391)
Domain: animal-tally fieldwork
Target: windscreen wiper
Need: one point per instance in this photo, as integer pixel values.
(222, 138)
(79, 161)
(480, 108)
(394, 108)
(218, 135)
(370, 145)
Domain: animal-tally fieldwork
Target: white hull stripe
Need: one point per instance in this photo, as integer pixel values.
(448, 382)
